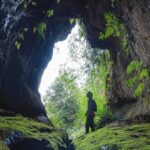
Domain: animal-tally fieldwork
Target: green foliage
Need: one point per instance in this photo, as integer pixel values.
(139, 90)
(25, 5)
(34, 3)
(41, 28)
(50, 13)
(112, 27)
(143, 73)
(62, 95)
(131, 81)
(137, 76)
(34, 29)
(20, 37)
(17, 45)
(124, 40)
(134, 65)
(72, 20)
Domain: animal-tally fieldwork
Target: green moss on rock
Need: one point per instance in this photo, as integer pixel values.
(134, 137)
(30, 129)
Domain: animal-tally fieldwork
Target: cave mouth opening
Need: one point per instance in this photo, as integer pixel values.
(75, 69)
(60, 57)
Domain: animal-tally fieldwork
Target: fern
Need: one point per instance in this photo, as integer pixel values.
(25, 5)
(72, 20)
(50, 13)
(17, 44)
(131, 82)
(113, 27)
(34, 29)
(139, 90)
(134, 65)
(21, 36)
(41, 28)
(34, 3)
(143, 73)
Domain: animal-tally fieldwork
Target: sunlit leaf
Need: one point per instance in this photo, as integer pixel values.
(17, 44)
(26, 29)
(25, 5)
(131, 82)
(134, 65)
(101, 36)
(109, 32)
(50, 13)
(34, 3)
(21, 36)
(72, 20)
(143, 73)
(41, 28)
(34, 30)
(139, 90)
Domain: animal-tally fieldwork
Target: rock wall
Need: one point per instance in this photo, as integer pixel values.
(132, 45)
(29, 29)
(21, 70)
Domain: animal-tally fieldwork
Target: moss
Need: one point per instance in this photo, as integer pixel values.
(30, 129)
(134, 137)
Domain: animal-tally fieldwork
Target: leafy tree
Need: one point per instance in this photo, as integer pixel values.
(61, 103)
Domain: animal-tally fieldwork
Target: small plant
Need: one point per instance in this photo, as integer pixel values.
(137, 73)
(72, 20)
(34, 3)
(50, 13)
(134, 65)
(131, 82)
(40, 28)
(112, 27)
(139, 90)
(25, 5)
(17, 44)
(20, 37)
(143, 73)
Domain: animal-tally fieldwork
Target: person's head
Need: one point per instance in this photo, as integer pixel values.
(90, 95)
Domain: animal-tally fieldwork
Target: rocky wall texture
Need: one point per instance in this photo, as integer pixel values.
(24, 53)
(129, 46)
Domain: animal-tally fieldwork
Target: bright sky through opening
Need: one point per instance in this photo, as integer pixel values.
(60, 56)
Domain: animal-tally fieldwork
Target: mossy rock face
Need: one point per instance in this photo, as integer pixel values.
(19, 133)
(125, 137)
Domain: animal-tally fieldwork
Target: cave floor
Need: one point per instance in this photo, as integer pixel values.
(111, 137)
(16, 131)
(116, 137)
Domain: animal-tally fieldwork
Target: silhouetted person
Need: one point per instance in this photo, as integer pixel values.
(92, 108)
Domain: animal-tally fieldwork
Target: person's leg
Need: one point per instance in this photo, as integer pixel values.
(87, 125)
(92, 124)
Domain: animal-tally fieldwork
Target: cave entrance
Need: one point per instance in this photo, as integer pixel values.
(60, 58)
(75, 69)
